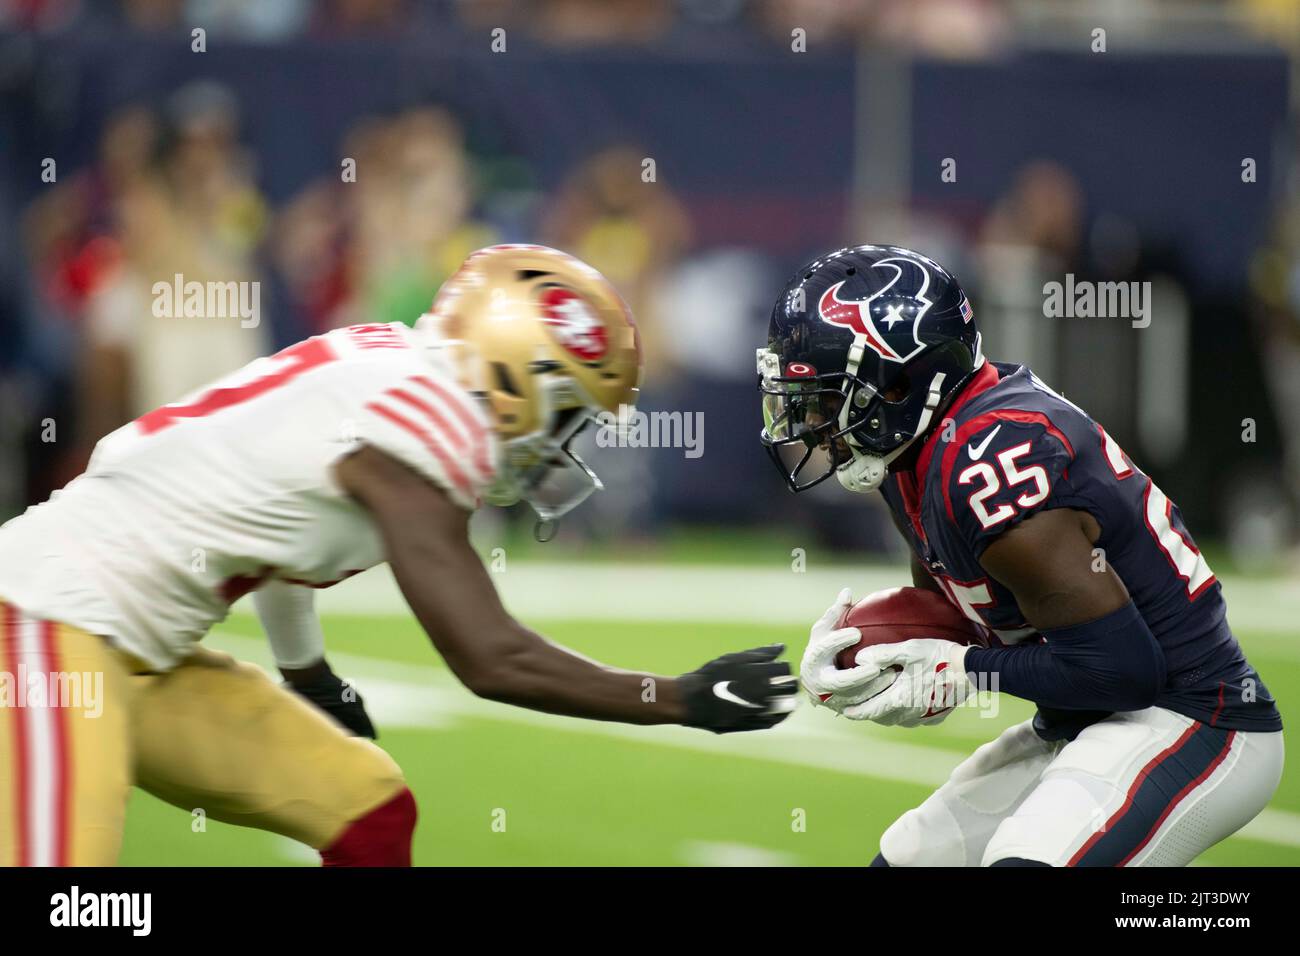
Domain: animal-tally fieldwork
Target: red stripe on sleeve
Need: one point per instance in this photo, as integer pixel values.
(474, 425)
(445, 428)
(449, 466)
(475, 445)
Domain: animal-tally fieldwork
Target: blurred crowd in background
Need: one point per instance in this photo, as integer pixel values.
(174, 181)
(944, 27)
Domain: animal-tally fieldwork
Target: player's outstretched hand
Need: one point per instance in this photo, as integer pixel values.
(338, 699)
(745, 690)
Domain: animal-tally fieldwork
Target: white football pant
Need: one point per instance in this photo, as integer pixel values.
(1145, 788)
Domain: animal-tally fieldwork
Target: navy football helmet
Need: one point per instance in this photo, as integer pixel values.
(866, 347)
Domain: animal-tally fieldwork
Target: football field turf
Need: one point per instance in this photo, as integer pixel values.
(502, 786)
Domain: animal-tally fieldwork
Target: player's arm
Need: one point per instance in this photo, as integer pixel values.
(1008, 495)
(427, 543)
(1012, 500)
(1099, 653)
(288, 616)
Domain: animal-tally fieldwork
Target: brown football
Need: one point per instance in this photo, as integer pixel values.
(901, 614)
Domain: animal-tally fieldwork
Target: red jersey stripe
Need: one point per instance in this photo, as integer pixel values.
(467, 415)
(442, 427)
(449, 466)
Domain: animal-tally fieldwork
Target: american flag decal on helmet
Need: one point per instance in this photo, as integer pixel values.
(967, 313)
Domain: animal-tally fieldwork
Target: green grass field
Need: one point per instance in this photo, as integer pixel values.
(584, 793)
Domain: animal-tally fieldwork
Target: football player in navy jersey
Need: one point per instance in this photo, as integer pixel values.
(1154, 738)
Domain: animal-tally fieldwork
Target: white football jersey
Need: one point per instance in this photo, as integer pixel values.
(193, 505)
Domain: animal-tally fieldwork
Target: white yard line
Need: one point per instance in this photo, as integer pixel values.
(706, 853)
(639, 591)
(425, 697)
(561, 590)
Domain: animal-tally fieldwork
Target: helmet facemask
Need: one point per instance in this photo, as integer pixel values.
(801, 421)
(843, 424)
(541, 468)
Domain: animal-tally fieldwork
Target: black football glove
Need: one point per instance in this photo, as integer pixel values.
(746, 690)
(340, 700)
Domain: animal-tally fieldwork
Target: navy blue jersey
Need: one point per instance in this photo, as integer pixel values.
(1010, 447)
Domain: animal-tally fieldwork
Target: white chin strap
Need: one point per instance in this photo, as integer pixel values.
(866, 471)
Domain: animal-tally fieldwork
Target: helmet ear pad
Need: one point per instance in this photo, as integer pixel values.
(863, 475)
(897, 397)
(867, 470)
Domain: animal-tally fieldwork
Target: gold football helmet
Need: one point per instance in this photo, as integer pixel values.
(551, 345)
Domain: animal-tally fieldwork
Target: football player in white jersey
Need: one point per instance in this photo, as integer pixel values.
(368, 444)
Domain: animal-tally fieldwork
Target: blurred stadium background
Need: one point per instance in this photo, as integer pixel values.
(1111, 166)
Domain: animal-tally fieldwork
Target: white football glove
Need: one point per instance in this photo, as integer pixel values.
(932, 683)
(827, 685)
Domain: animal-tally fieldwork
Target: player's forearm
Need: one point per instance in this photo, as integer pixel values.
(453, 597)
(499, 659)
(540, 675)
(1112, 664)
(506, 662)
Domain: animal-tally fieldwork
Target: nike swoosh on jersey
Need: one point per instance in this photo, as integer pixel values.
(977, 451)
(721, 690)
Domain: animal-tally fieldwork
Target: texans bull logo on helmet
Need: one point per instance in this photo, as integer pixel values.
(887, 321)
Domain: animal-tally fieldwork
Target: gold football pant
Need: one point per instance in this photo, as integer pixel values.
(80, 723)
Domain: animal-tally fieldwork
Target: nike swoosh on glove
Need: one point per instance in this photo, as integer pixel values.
(746, 690)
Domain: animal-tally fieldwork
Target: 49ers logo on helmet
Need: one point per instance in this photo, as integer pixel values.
(574, 323)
